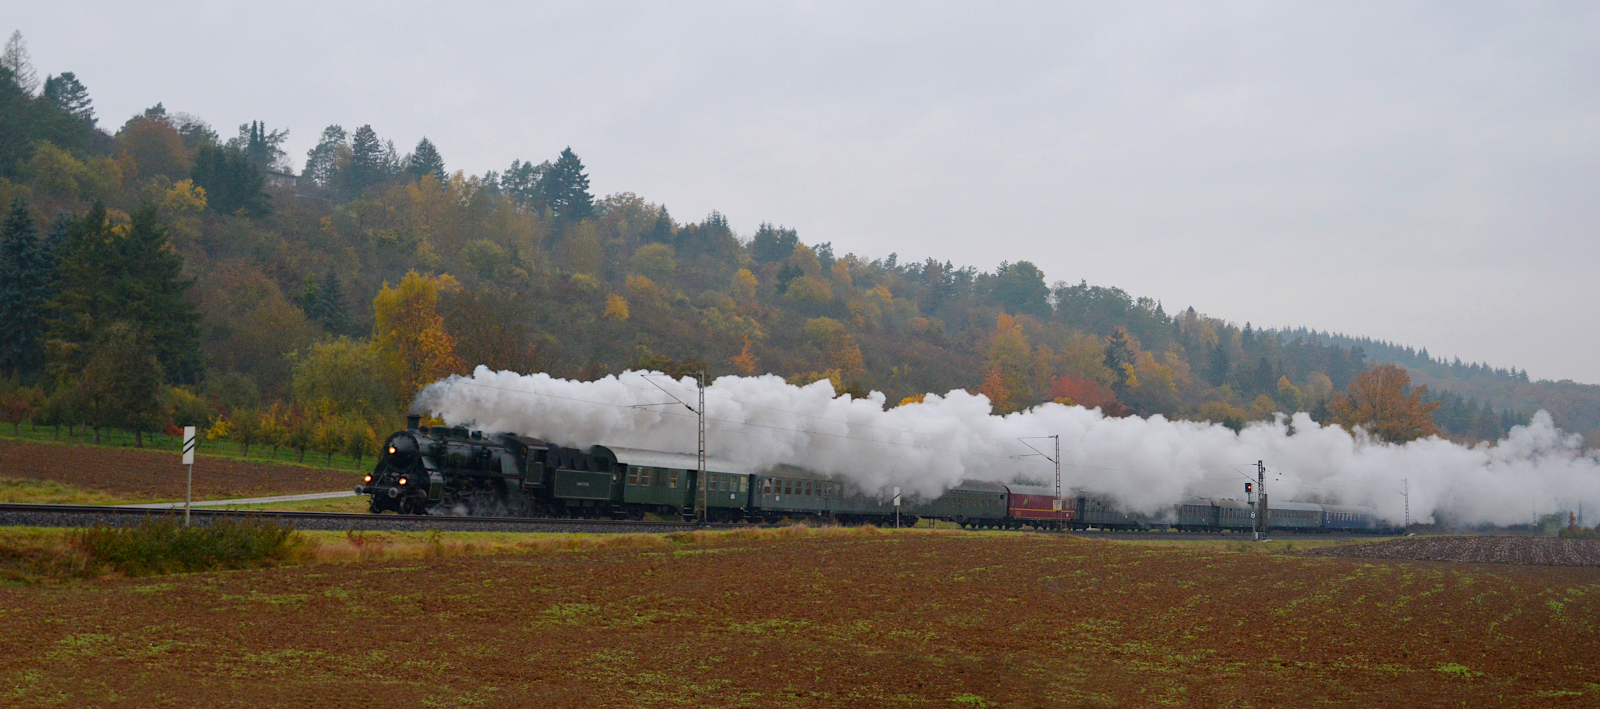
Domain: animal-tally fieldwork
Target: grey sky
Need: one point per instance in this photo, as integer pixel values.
(1423, 172)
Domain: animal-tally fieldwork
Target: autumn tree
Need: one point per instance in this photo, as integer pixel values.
(1382, 402)
(1020, 289)
(1007, 367)
(409, 334)
(156, 148)
(119, 385)
(336, 379)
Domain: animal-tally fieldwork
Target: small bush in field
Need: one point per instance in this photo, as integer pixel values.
(163, 546)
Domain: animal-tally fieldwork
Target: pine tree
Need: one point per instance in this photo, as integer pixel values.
(522, 183)
(327, 305)
(425, 160)
(26, 286)
(16, 60)
(368, 166)
(70, 95)
(566, 188)
(321, 160)
(262, 149)
(1120, 356)
(133, 276)
(231, 182)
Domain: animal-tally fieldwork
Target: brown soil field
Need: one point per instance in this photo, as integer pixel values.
(1542, 551)
(837, 619)
(158, 475)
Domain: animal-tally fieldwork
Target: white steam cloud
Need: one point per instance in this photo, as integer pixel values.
(1146, 464)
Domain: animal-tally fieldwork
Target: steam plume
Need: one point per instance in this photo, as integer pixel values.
(1146, 464)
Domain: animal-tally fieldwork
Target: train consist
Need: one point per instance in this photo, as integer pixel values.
(444, 470)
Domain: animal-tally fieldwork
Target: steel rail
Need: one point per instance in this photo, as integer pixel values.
(352, 517)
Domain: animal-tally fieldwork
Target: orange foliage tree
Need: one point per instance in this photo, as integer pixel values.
(410, 336)
(1382, 402)
(1088, 393)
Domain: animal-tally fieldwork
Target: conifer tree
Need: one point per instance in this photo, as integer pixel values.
(70, 95)
(16, 60)
(368, 165)
(521, 182)
(425, 160)
(231, 182)
(114, 275)
(566, 188)
(327, 305)
(26, 285)
(261, 148)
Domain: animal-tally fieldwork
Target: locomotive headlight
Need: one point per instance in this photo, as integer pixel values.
(402, 481)
(391, 450)
(367, 479)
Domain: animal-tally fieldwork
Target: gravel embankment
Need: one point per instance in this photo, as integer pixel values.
(1532, 551)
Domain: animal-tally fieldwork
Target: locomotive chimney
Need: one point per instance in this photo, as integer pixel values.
(412, 421)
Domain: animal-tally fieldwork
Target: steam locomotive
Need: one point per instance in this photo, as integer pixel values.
(457, 471)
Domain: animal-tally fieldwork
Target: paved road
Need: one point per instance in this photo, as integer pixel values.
(243, 501)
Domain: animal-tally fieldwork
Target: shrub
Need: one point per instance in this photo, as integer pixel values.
(162, 546)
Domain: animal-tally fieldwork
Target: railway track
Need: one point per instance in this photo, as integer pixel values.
(17, 514)
(34, 515)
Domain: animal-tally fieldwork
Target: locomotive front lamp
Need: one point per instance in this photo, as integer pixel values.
(391, 450)
(367, 479)
(402, 481)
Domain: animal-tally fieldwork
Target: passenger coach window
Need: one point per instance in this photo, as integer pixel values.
(673, 479)
(744, 484)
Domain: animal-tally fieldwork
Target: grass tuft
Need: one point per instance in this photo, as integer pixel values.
(162, 546)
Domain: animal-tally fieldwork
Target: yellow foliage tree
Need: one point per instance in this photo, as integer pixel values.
(616, 308)
(184, 198)
(744, 286)
(1382, 402)
(409, 333)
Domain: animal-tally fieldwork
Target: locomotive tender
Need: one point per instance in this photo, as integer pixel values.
(453, 470)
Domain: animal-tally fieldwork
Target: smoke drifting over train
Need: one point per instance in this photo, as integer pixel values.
(1146, 464)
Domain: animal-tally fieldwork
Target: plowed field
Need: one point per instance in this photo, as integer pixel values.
(873, 620)
(1543, 551)
(158, 475)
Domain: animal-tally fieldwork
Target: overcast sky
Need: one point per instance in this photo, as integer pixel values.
(1420, 172)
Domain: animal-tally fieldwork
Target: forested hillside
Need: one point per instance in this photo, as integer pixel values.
(159, 272)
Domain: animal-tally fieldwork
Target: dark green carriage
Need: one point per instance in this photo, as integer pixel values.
(971, 503)
(788, 491)
(652, 481)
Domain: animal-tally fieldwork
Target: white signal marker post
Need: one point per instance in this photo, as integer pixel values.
(897, 507)
(188, 462)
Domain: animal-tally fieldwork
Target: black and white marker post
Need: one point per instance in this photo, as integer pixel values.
(897, 507)
(188, 462)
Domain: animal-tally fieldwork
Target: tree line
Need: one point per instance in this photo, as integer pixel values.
(162, 253)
